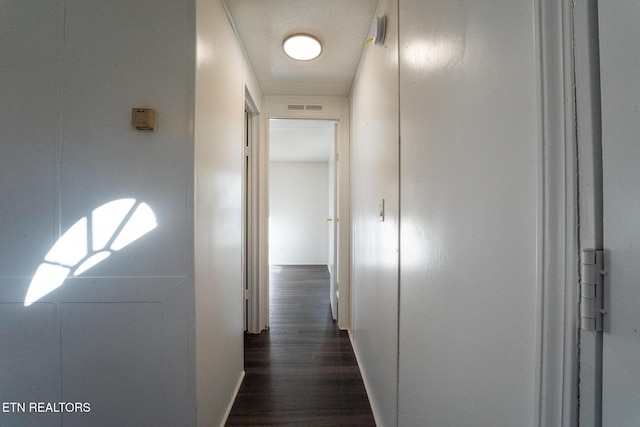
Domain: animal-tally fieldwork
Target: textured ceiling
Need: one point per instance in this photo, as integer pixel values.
(340, 25)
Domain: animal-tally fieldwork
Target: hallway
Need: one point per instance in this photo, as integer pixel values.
(303, 370)
(488, 200)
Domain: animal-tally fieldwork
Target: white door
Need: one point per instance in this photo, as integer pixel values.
(332, 221)
(619, 23)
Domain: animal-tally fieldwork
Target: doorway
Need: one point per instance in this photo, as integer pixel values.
(303, 220)
(335, 110)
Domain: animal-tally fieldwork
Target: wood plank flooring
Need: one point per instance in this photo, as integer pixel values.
(302, 371)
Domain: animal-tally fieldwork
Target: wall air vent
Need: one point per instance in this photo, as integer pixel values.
(305, 107)
(295, 107)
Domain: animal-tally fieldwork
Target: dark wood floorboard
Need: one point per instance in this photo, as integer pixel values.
(302, 371)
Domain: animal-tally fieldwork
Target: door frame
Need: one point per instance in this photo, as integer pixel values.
(333, 108)
(557, 337)
(333, 219)
(250, 223)
(590, 208)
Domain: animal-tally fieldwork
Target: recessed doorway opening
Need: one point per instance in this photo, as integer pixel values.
(303, 196)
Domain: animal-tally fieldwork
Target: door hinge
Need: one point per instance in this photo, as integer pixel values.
(247, 294)
(591, 289)
(247, 151)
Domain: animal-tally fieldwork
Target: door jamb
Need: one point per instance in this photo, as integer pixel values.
(556, 393)
(251, 210)
(589, 144)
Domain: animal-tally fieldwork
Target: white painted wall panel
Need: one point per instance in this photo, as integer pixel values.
(375, 176)
(29, 131)
(620, 68)
(219, 141)
(29, 361)
(65, 123)
(468, 196)
(298, 211)
(104, 158)
(119, 374)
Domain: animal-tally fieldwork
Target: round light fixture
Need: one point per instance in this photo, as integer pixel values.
(302, 47)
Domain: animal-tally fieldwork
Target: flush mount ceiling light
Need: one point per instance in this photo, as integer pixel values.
(302, 47)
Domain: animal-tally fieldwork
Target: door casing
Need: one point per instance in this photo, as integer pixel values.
(333, 108)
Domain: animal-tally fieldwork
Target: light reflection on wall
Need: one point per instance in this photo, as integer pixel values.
(433, 54)
(204, 52)
(89, 241)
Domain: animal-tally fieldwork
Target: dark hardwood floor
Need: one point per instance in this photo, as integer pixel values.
(302, 371)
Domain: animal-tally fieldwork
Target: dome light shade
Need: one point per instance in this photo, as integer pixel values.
(302, 47)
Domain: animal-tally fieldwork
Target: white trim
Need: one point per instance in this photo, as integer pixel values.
(253, 227)
(334, 108)
(263, 222)
(233, 399)
(556, 367)
(344, 215)
(587, 68)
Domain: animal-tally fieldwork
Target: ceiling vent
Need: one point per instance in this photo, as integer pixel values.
(305, 107)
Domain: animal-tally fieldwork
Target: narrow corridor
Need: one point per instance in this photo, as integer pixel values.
(303, 370)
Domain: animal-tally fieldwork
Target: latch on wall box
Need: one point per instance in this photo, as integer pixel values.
(143, 119)
(591, 289)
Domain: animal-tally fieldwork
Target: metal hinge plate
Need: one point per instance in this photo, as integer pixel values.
(591, 289)
(247, 294)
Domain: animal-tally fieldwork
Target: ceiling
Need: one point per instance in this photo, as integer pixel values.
(340, 25)
(294, 140)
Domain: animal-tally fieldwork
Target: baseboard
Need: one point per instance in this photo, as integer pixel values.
(233, 399)
(374, 408)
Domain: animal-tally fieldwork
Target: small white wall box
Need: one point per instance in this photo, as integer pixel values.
(143, 118)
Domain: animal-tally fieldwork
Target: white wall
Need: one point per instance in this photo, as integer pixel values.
(298, 211)
(468, 125)
(122, 336)
(468, 202)
(375, 163)
(619, 67)
(119, 336)
(221, 77)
